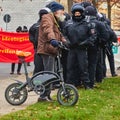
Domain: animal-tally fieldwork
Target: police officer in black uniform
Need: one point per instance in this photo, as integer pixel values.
(77, 31)
(96, 27)
(107, 50)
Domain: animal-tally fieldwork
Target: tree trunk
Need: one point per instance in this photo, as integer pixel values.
(94, 2)
(109, 9)
(70, 3)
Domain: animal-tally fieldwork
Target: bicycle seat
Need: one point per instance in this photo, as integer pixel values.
(23, 54)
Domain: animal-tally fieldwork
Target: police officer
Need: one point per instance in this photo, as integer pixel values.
(96, 27)
(99, 67)
(101, 36)
(77, 32)
(108, 47)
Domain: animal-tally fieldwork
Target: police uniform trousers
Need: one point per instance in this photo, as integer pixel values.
(77, 66)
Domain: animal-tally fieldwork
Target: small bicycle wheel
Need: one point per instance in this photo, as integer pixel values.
(69, 96)
(15, 96)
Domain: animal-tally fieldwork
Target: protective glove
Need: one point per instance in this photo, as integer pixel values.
(54, 43)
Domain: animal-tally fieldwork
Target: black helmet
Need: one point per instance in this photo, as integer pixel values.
(85, 4)
(77, 7)
(90, 11)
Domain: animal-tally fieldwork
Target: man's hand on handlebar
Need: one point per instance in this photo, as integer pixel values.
(62, 45)
(54, 43)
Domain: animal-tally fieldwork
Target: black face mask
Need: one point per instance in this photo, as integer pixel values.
(77, 18)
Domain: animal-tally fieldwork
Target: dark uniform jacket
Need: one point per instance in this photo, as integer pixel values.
(33, 34)
(76, 32)
(100, 30)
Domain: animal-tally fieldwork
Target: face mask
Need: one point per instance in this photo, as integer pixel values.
(61, 17)
(78, 18)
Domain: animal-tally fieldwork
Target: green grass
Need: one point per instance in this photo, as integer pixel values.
(102, 103)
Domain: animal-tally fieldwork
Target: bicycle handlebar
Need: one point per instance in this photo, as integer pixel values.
(63, 46)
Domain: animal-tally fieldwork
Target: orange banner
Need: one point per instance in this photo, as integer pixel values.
(12, 42)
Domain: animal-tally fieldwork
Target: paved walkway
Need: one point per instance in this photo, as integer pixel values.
(5, 80)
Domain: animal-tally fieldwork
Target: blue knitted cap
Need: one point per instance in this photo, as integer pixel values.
(55, 6)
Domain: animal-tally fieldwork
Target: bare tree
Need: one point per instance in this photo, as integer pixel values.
(110, 4)
(94, 2)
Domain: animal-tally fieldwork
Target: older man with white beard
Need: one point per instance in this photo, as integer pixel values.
(49, 38)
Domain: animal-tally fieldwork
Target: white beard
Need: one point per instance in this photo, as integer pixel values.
(61, 18)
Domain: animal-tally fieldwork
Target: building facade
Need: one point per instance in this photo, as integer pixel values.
(22, 12)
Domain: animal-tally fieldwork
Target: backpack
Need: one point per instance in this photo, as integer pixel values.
(112, 35)
(33, 34)
(93, 31)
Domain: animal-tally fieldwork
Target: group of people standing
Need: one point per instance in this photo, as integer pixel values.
(86, 33)
(19, 29)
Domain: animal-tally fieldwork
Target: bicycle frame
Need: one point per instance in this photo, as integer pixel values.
(39, 83)
(56, 77)
(51, 77)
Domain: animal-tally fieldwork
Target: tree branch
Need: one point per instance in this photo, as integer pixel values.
(114, 3)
